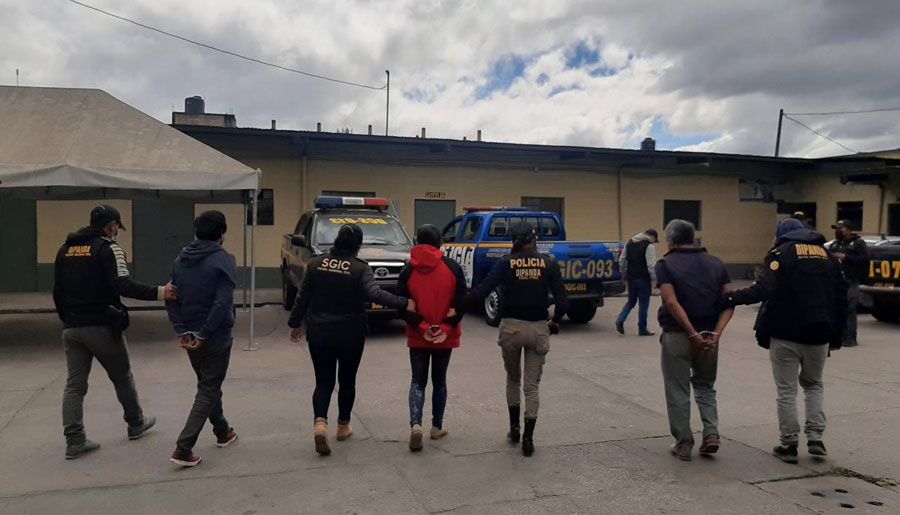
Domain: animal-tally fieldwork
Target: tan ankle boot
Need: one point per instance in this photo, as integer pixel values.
(438, 433)
(415, 438)
(321, 436)
(344, 431)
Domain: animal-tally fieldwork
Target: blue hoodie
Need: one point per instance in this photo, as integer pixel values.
(204, 275)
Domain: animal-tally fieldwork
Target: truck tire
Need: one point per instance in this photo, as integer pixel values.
(288, 293)
(886, 312)
(582, 312)
(492, 308)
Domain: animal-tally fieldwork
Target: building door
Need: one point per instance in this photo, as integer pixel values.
(894, 219)
(18, 241)
(438, 213)
(162, 227)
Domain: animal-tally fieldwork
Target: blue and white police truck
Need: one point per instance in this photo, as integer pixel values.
(590, 270)
(386, 244)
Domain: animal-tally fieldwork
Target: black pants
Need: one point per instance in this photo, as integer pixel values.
(418, 360)
(210, 365)
(336, 351)
(82, 345)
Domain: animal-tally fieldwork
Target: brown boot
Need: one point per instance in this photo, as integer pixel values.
(344, 431)
(321, 436)
(415, 438)
(437, 433)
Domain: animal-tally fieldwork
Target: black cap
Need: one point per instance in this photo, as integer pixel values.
(522, 232)
(104, 214)
(843, 224)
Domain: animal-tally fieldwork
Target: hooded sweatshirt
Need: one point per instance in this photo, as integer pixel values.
(204, 275)
(436, 283)
(803, 291)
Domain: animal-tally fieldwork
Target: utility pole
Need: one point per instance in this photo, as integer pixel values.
(778, 137)
(387, 112)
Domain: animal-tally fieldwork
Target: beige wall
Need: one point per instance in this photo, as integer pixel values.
(826, 191)
(737, 232)
(57, 218)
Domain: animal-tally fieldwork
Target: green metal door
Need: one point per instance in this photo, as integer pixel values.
(18, 245)
(162, 227)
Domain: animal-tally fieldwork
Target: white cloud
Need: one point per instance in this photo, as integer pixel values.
(712, 75)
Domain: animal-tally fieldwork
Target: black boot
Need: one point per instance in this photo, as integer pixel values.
(513, 434)
(528, 437)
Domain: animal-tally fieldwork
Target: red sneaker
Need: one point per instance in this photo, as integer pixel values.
(185, 459)
(226, 440)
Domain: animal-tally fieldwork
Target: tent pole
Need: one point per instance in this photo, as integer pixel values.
(244, 262)
(251, 345)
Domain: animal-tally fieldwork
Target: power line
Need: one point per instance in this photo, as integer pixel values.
(227, 52)
(810, 129)
(883, 110)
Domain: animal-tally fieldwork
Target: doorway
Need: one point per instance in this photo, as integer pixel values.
(162, 227)
(435, 212)
(894, 219)
(18, 239)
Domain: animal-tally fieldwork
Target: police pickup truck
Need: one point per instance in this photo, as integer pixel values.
(884, 277)
(385, 247)
(590, 270)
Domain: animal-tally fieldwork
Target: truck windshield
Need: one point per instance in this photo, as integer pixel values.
(378, 229)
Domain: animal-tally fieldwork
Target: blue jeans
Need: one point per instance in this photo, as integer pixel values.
(418, 360)
(638, 294)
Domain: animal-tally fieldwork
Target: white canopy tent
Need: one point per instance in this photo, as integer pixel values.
(54, 141)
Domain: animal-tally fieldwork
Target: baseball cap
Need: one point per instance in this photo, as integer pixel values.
(843, 224)
(522, 232)
(104, 214)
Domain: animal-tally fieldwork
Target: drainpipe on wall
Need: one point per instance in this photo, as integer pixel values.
(881, 189)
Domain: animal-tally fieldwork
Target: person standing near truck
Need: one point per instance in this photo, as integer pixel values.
(91, 274)
(332, 301)
(853, 253)
(437, 285)
(637, 266)
(526, 278)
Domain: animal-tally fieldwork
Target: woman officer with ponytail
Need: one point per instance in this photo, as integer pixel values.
(332, 301)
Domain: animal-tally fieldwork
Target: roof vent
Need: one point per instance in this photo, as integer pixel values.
(648, 144)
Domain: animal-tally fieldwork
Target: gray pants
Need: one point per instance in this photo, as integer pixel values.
(82, 345)
(518, 337)
(683, 367)
(852, 303)
(793, 364)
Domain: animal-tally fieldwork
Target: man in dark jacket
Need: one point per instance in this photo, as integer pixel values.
(332, 302)
(804, 310)
(437, 285)
(853, 253)
(526, 279)
(91, 276)
(203, 319)
(638, 267)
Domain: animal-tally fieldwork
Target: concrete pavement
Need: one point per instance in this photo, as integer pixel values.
(602, 435)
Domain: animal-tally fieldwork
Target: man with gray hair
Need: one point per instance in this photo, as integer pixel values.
(692, 283)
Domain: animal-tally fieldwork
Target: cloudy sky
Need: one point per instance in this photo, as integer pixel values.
(694, 74)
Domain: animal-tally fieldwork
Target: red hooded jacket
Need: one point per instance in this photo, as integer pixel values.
(436, 283)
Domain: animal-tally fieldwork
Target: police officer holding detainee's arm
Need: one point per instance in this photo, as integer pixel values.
(526, 279)
(853, 254)
(91, 274)
(804, 310)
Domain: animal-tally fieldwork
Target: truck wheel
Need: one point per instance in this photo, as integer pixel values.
(886, 313)
(582, 312)
(492, 307)
(288, 294)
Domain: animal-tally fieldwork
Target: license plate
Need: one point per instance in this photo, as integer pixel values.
(577, 288)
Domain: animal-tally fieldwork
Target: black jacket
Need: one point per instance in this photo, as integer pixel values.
(803, 291)
(856, 264)
(91, 273)
(335, 289)
(527, 278)
(636, 258)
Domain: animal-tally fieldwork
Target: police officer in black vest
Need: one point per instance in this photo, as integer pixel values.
(332, 302)
(526, 279)
(638, 264)
(91, 275)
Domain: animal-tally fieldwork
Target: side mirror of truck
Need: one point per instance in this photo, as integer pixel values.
(299, 240)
